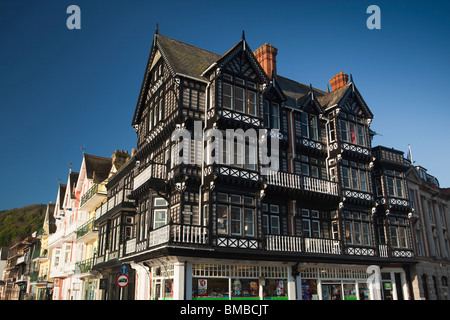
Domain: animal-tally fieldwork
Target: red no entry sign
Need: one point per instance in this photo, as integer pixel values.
(122, 280)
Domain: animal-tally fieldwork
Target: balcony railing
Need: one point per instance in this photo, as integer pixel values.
(173, 233)
(153, 170)
(295, 181)
(198, 236)
(113, 202)
(85, 228)
(96, 193)
(84, 266)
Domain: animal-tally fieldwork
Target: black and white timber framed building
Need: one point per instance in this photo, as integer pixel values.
(309, 230)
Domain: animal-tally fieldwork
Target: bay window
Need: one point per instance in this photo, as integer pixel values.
(159, 213)
(357, 228)
(239, 95)
(271, 115)
(355, 177)
(235, 215)
(307, 126)
(351, 131)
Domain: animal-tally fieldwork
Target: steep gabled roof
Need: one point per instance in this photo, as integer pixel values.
(61, 193)
(183, 58)
(338, 97)
(242, 48)
(97, 168)
(294, 90)
(180, 58)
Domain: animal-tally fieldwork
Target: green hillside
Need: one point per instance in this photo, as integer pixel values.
(20, 222)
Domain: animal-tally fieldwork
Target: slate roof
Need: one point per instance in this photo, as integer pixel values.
(185, 58)
(192, 61)
(332, 98)
(97, 168)
(62, 192)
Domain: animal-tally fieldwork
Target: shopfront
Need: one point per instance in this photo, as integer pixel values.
(239, 282)
(162, 282)
(334, 282)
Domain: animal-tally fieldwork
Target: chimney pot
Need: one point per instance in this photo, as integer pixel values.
(266, 56)
(338, 81)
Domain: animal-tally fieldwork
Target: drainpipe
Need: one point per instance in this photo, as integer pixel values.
(200, 195)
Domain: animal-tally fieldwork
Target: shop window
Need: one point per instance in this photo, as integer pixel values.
(245, 288)
(275, 288)
(309, 290)
(216, 288)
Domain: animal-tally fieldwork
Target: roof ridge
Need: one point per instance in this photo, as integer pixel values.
(98, 157)
(188, 44)
(316, 89)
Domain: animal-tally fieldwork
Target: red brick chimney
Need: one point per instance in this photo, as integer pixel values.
(338, 81)
(266, 56)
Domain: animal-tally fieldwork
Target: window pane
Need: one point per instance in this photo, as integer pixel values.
(235, 220)
(227, 96)
(240, 99)
(160, 218)
(391, 186)
(265, 223)
(235, 198)
(315, 229)
(275, 224)
(275, 116)
(249, 218)
(399, 188)
(352, 133)
(344, 130)
(363, 180)
(394, 236)
(314, 129)
(346, 176)
(366, 234)
(306, 228)
(160, 202)
(348, 232)
(222, 219)
(305, 126)
(355, 181)
(361, 138)
(403, 242)
(266, 114)
(357, 232)
(251, 103)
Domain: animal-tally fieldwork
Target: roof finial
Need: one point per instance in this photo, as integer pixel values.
(243, 35)
(156, 29)
(328, 88)
(351, 78)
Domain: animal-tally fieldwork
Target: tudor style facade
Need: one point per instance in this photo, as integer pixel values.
(307, 225)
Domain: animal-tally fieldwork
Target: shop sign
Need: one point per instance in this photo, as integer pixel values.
(103, 284)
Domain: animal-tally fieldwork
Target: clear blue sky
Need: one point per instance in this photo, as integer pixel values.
(63, 89)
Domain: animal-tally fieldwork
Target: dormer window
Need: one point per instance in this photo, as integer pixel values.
(239, 95)
(271, 115)
(306, 126)
(352, 132)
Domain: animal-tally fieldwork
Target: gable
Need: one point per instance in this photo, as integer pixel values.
(240, 60)
(309, 104)
(352, 102)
